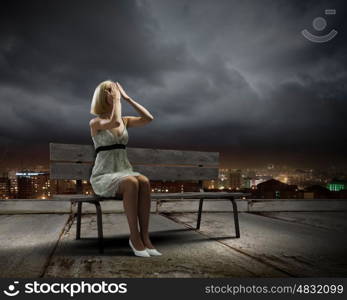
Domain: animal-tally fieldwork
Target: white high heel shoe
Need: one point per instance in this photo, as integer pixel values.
(153, 252)
(142, 253)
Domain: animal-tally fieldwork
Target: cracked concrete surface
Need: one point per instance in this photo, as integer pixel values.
(295, 247)
(27, 241)
(186, 253)
(271, 245)
(329, 220)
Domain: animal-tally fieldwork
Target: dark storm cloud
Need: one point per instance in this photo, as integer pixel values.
(232, 76)
(289, 95)
(54, 54)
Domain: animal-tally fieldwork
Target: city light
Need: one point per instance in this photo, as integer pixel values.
(29, 173)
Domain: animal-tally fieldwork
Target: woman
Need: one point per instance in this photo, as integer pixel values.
(112, 174)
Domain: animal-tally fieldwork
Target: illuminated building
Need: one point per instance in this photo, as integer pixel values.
(33, 185)
(337, 185)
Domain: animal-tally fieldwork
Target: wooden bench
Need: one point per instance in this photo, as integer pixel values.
(71, 161)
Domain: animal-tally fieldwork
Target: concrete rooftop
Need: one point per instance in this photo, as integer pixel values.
(36, 243)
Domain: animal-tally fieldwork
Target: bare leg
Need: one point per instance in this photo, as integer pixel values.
(129, 187)
(144, 206)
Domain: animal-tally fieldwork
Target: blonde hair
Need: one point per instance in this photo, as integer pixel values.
(99, 104)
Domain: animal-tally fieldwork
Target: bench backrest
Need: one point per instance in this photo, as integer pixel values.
(72, 161)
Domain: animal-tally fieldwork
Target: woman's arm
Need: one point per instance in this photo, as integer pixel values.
(146, 116)
(116, 115)
(115, 95)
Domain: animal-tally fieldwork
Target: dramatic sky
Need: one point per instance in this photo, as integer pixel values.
(230, 76)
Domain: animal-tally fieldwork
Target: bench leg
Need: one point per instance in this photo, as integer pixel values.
(236, 217)
(79, 216)
(99, 221)
(199, 214)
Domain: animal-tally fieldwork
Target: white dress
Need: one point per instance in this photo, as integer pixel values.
(111, 166)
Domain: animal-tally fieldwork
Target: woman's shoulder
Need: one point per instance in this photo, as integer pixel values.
(94, 120)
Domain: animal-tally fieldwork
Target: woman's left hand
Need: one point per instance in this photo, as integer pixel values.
(124, 94)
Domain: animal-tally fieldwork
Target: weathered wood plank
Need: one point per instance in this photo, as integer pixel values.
(156, 196)
(85, 153)
(177, 173)
(71, 152)
(59, 170)
(167, 156)
(194, 195)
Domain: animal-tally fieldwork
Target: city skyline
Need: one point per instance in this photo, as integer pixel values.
(271, 183)
(223, 78)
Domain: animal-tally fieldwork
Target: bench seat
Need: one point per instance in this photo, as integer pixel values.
(155, 196)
